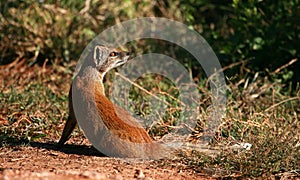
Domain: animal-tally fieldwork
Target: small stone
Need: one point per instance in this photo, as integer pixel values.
(139, 174)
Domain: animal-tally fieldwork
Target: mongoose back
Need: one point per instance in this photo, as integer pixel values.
(120, 134)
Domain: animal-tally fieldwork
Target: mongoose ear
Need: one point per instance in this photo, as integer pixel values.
(98, 54)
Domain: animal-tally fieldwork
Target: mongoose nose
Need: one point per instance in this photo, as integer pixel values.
(127, 53)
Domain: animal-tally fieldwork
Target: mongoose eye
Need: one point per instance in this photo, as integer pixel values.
(114, 54)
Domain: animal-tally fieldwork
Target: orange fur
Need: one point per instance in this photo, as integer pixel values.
(119, 121)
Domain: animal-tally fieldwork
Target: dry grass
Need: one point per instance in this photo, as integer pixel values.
(34, 101)
(260, 111)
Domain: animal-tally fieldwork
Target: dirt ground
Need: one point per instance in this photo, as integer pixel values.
(45, 161)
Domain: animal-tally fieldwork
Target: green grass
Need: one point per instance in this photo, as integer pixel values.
(34, 102)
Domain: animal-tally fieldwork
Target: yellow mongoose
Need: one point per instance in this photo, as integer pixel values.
(89, 83)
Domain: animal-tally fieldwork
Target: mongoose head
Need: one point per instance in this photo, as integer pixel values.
(106, 58)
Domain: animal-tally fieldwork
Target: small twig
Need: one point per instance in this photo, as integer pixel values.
(143, 89)
(86, 7)
(172, 97)
(284, 66)
(19, 61)
(281, 102)
(223, 69)
(250, 123)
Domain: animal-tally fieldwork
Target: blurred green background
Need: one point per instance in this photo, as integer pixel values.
(262, 34)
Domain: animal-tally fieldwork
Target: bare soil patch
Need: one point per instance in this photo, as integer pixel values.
(44, 161)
